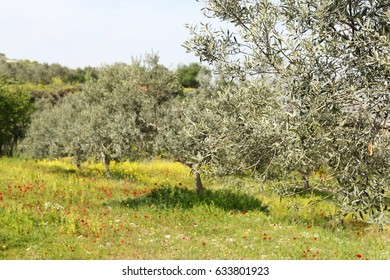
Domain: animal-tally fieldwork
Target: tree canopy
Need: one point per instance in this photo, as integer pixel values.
(332, 60)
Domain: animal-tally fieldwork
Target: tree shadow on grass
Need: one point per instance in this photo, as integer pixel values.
(168, 197)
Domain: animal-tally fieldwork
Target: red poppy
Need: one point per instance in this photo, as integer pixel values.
(359, 255)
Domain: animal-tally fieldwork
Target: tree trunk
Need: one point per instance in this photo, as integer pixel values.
(106, 162)
(195, 171)
(305, 181)
(78, 163)
(198, 180)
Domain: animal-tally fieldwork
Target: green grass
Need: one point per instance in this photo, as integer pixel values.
(150, 210)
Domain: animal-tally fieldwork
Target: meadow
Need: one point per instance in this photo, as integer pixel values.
(150, 210)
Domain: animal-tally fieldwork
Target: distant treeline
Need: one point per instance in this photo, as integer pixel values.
(27, 71)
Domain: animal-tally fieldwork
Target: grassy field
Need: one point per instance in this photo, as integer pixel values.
(51, 210)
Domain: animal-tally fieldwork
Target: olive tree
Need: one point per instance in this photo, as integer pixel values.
(332, 60)
(223, 131)
(51, 132)
(107, 125)
(114, 117)
(159, 85)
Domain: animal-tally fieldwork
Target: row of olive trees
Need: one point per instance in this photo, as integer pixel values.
(332, 61)
(138, 110)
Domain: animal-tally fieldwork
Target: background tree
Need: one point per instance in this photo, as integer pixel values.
(159, 84)
(15, 111)
(188, 75)
(52, 132)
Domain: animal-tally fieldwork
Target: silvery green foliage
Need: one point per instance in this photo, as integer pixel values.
(121, 110)
(107, 124)
(332, 60)
(223, 131)
(51, 130)
(246, 129)
(159, 85)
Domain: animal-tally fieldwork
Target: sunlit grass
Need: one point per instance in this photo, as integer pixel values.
(148, 172)
(150, 210)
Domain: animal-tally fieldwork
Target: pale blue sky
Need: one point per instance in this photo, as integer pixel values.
(78, 33)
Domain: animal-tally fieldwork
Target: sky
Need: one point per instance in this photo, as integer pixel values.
(80, 33)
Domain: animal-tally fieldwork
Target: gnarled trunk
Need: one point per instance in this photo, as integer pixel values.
(305, 181)
(198, 180)
(78, 163)
(195, 171)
